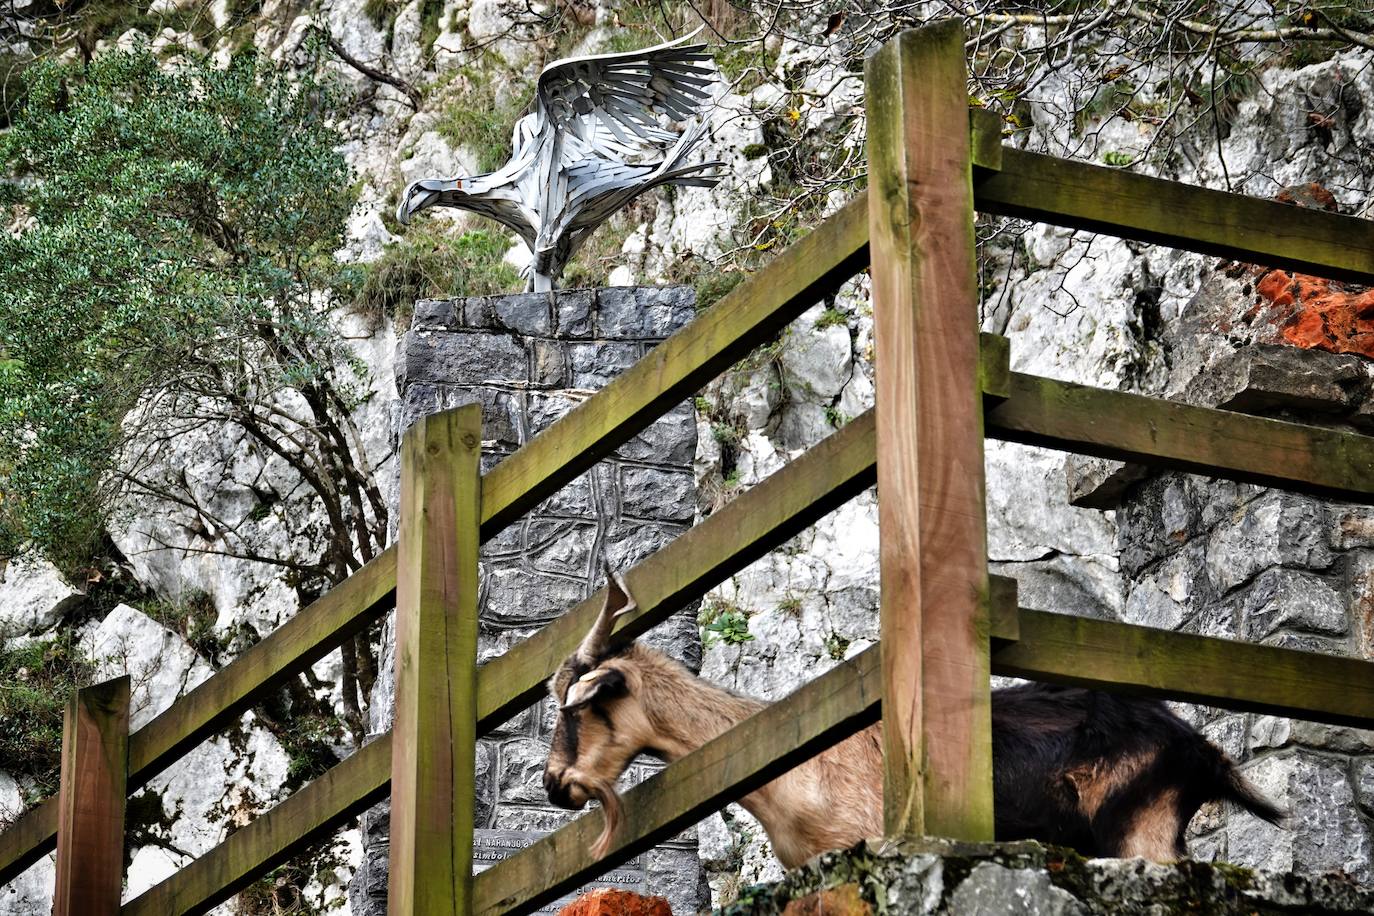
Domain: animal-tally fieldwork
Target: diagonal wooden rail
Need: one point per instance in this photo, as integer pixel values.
(828, 709)
(760, 520)
(754, 311)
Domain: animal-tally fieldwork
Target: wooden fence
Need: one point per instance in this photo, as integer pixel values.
(945, 623)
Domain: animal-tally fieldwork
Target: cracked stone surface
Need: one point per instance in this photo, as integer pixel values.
(941, 878)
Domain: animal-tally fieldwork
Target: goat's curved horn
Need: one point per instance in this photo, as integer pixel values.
(619, 601)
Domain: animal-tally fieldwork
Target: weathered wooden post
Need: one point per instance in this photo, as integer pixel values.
(936, 720)
(90, 801)
(435, 734)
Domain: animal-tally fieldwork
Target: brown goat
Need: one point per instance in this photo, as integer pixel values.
(1109, 776)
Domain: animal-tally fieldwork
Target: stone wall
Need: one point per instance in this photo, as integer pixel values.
(1000, 879)
(1245, 562)
(528, 359)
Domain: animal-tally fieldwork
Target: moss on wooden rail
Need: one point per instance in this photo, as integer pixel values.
(1246, 677)
(1169, 434)
(1114, 202)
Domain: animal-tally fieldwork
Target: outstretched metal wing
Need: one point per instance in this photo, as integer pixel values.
(613, 102)
(597, 139)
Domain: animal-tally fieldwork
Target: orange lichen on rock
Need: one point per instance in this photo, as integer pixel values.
(1318, 314)
(836, 901)
(1308, 311)
(611, 902)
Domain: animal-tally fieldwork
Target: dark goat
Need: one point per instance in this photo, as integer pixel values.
(1106, 775)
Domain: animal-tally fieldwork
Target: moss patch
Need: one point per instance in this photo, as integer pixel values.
(35, 682)
(482, 104)
(430, 264)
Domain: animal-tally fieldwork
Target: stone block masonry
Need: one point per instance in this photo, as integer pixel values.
(528, 359)
(1244, 562)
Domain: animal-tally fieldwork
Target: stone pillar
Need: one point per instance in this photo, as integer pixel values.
(1244, 562)
(528, 359)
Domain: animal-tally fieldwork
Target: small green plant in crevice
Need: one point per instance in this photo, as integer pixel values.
(431, 26)
(830, 318)
(836, 417)
(749, 63)
(428, 264)
(711, 287)
(725, 434)
(836, 646)
(790, 605)
(381, 13)
(35, 682)
(594, 261)
(1117, 158)
(192, 617)
(724, 622)
(309, 741)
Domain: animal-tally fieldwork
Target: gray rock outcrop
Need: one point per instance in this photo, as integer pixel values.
(939, 878)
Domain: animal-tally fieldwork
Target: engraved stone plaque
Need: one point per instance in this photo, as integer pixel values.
(491, 846)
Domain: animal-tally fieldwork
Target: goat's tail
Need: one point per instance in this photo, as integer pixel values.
(1236, 788)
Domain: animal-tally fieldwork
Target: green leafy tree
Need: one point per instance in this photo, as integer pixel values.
(168, 263)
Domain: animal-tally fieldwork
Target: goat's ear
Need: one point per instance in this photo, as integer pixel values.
(597, 684)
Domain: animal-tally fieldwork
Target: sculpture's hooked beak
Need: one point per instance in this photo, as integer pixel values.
(421, 194)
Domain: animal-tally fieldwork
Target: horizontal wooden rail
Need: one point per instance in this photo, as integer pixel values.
(1127, 658)
(28, 839)
(827, 710)
(1031, 410)
(756, 522)
(749, 315)
(316, 811)
(1199, 440)
(1124, 204)
(1058, 648)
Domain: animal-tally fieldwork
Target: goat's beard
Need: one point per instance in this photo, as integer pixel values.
(612, 812)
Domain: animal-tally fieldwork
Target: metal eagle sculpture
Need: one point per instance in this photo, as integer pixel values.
(593, 143)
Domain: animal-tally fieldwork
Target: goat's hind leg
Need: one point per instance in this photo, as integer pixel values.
(1153, 830)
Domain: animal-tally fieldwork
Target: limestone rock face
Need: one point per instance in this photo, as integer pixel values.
(1244, 562)
(161, 665)
(34, 596)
